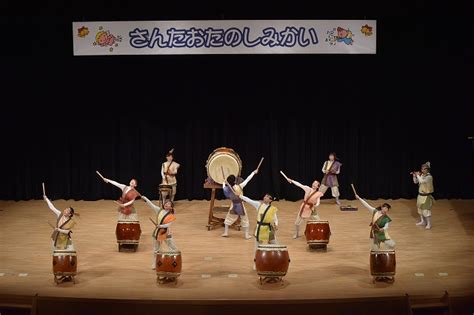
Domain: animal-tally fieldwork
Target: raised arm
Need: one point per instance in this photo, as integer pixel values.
(152, 205)
(118, 185)
(247, 180)
(415, 178)
(254, 203)
(304, 187)
(366, 204)
(52, 207)
(425, 179)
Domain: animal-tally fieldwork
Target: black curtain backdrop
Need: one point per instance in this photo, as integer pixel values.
(64, 117)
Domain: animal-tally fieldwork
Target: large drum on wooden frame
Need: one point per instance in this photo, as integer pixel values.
(168, 264)
(272, 260)
(128, 232)
(317, 232)
(64, 264)
(223, 158)
(382, 263)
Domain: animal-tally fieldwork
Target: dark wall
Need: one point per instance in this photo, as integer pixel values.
(383, 114)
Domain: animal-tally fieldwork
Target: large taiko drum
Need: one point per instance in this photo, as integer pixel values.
(272, 260)
(64, 264)
(382, 263)
(128, 233)
(317, 232)
(223, 158)
(168, 264)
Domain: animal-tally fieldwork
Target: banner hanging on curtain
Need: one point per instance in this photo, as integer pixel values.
(224, 37)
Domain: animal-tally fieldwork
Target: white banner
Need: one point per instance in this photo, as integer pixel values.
(225, 37)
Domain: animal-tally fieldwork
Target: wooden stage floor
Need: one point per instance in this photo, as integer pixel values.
(216, 268)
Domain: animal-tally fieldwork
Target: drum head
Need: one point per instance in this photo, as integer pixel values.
(223, 159)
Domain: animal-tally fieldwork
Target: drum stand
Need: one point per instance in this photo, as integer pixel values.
(264, 280)
(386, 279)
(128, 247)
(60, 278)
(316, 247)
(165, 280)
(213, 220)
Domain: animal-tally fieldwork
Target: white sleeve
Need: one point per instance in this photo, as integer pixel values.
(415, 179)
(254, 203)
(165, 226)
(365, 203)
(53, 208)
(385, 227)
(422, 179)
(163, 170)
(152, 205)
(304, 187)
(247, 180)
(275, 219)
(324, 167)
(318, 202)
(118, 185)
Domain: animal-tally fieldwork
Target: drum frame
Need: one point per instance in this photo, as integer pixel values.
(383, 276)
(60, 276)
(271, 276)
(165, 277)
(318, 244)
(129, 244)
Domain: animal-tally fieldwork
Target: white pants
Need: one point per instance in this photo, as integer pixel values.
(232, 217)
(390, 244)
(425, 212)
(334, 190)
(299, 219)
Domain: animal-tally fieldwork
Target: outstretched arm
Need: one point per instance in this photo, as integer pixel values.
(116, 184)
(247, 180)
(366, 204)
(152, 205)
(304, 187)
(422, 179)
(254, 203)
(52, 207)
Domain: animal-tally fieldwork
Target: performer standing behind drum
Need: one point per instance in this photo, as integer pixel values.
(164, 218)
(267, 220)
(379, 225)
(61, 237)
(331, 168)
(169, 169)
(237, 209)
(425, 200)
(126, 209)
(308, 207)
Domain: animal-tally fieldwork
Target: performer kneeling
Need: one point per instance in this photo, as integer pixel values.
(308, 207)
(379, 225)
(164, 218)
(425, 200)
(267, 220)
(61, 237)
(237, 208)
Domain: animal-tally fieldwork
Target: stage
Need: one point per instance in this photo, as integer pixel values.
(216, 268)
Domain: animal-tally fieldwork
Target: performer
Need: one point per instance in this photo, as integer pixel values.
(169, 169)
(331, 168)
(308, 207)
(61, 237)
(237, 208)
(425, 200)
(164, 218)
(379, 225)
(267, 220)
(126, 210)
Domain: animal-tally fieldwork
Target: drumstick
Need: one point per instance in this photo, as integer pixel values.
(353, 189)
(286, 177)
(103, 178)
(261, 160)
(44, 190)
(153, 221)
